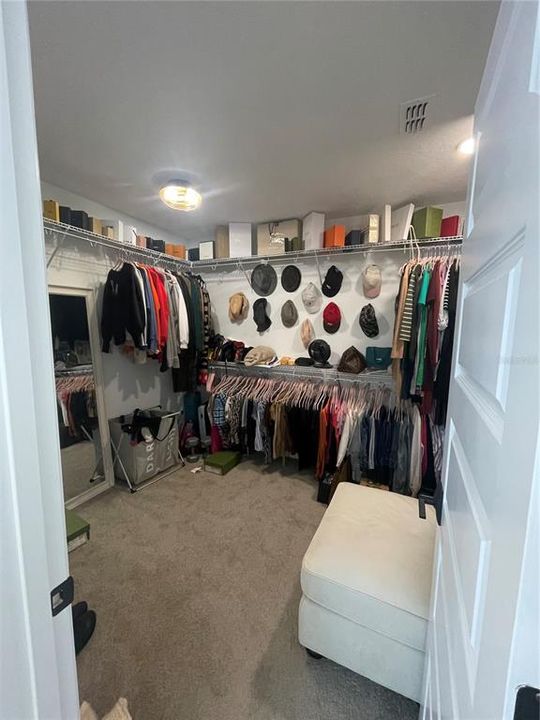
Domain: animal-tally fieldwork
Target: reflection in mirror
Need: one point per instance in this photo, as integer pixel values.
(80, 444)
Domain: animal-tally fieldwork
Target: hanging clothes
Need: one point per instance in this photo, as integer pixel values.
(153, 313)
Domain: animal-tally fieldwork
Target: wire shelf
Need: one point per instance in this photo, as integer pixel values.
(298, 255)
(297, 372)
(60, 231)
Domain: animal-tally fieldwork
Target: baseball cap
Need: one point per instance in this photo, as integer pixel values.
(372, 281)
(331, 318)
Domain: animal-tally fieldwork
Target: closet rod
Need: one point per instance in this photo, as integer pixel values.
(296, 372)
(298, 255)
(153, 257)
(75, 371)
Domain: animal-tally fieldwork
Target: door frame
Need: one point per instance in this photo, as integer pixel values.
(89, 295)
(37, 653)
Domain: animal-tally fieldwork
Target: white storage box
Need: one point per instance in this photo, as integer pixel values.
(313, 231)
(206, 250)
(239, 239)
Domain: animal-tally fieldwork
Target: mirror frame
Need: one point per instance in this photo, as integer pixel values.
(95, 343)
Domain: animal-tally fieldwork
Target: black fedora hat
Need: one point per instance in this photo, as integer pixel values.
(263, 279)
(291, 277)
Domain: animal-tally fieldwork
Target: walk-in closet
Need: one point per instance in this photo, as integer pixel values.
(283, 260)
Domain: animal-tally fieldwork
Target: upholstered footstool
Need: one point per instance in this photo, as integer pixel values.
(366, 585)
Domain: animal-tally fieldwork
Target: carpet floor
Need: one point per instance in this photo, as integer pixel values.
(195, 581)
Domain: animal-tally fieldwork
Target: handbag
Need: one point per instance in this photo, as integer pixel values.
(379, 357)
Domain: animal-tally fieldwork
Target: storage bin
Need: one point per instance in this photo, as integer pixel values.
(146, 459)
(334, 236)
(427, 222)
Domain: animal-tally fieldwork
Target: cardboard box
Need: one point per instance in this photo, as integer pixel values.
(179, 251)
(272, 236)
(79, 219)
(65, 214)
(334, 236)
(221, 246)
(94, 225)
(239, 240)
(354, 237)
(206, 250)
(51, 210)
(155, 244)
(107, 231)
(313, 231)
(451, 226)
(369, 227)
(169, 249)
(140, 241)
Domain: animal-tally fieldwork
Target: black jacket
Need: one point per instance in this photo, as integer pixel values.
(123, 308)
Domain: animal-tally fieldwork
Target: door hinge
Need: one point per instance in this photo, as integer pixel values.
(527, 703)
(62, 596)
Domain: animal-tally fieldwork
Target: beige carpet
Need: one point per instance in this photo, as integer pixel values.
(195, 581)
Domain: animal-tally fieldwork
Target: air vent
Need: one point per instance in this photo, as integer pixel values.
(415, 115)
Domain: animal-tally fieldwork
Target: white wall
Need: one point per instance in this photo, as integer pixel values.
(127, 386)
(286, 341)
(76, 202)
(350, 299)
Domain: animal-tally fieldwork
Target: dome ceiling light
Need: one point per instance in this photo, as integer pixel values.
(179, 195)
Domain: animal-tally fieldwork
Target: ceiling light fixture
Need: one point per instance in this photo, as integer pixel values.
(466, 147)
(179, 195)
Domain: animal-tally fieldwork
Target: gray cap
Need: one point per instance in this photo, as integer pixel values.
(289, 314)
(312, 298)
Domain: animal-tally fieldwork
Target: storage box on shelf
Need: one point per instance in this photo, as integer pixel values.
(313, 231)
(239, 239)
(427, 222)
(334, 237)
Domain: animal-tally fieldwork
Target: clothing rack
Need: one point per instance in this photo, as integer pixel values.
(59, 232)
(78, 371)
(296, 372)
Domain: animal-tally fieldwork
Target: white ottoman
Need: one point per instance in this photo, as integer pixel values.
(366, 584)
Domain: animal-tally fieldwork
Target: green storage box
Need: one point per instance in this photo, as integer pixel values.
(77, 530)
(427, 222)
(221, 462)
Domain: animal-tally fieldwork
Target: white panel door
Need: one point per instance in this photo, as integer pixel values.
(38, 678)
(493, 418)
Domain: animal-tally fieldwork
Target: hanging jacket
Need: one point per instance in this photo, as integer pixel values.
(122, 309)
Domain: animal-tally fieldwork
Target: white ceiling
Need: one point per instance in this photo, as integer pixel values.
(272, 108)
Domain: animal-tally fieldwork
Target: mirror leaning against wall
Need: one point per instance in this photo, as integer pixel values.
(82, 427)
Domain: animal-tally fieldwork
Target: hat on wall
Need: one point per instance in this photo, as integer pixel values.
(263, 279)
(372, 281)
(260, 315)
(307, 333)
(238, 307)
(319, 351)
(291, 278)
(332, 282)
(331, 318)
(352, 361)
(368, 321)
(312, 298)
(259, 355)
(289, 314)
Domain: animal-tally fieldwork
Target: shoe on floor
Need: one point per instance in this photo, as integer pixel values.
(79, 609)
(83, 629)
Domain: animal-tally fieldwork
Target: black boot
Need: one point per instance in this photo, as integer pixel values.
(83, 629)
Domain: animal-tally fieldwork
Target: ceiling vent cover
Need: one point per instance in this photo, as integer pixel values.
(416, 115)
